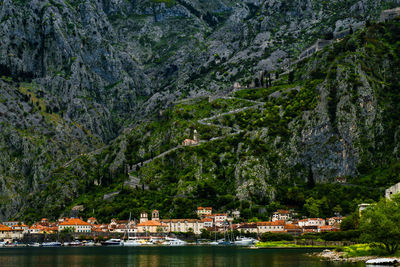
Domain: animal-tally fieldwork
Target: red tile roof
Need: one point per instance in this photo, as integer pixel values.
(5, 228)
(74, 221)
(283, 211)
(275, 223)
(152, 223)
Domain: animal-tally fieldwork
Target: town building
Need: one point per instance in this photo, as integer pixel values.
(275, 226)
(389, 14)
(325, 228)
(236, 214)
(21, 226)
(7, 232)
(184, 225)
(75, 225)
(191, 142)
(248, 228)
(219, 218)
(282, 215)
(144, 217)
(155, 215)
(395, 189)
(11, 223)
(92, 220)
(100, 228)
(293, 229)
(334, 221)
(202, 211)
(311, 222)
(152, 227)
(207, 222)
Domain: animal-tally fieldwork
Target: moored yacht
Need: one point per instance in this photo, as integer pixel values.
(51, 244)
(113, 242)
(243, 241)
(174, 242)
(132, 242)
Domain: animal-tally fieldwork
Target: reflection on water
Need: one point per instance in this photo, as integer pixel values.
(159, 257)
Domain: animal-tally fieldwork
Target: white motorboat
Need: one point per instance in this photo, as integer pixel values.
(113, 242)
(36, 245)
(3, 244)
(51, 244)
(75, 243)
(132, 242)
(174, 242)
(89, 243)
(243, 241)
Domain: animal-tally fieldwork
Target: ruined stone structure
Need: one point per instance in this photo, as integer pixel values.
(389, 14)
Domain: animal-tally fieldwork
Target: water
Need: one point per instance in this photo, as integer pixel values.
(160, 257)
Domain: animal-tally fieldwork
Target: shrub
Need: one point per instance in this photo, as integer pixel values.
(276, 237)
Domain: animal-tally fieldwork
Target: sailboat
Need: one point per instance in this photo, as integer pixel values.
(215, 242)
(225, 242)
(131, 241)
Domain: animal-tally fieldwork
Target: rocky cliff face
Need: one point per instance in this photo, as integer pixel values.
(75, 74)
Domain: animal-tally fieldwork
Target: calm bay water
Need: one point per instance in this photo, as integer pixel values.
(159, 256)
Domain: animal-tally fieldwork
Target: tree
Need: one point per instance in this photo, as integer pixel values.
(310, 179)
(349, 222)
(312, 207)
(291, 77)
(381, 223)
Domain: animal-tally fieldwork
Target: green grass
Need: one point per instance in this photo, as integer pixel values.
(284, 244)
(361, 250)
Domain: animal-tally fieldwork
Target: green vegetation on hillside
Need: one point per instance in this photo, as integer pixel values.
(343, 100)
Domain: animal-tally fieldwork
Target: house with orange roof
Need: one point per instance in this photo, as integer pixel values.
(311, 222)
(100, 228)
(276, 226)
(293, 229)
(202, 211)
(92, 220)
(151, 227)
(219, 218)
(7, 232)
(335, 221)
(325, 228)
(207, 222)
(285, 215)
(248, 228)
(11, 223)
(37, 229)
(21, 226)
(75, 225)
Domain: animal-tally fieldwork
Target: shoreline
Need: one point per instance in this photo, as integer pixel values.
(333, 256)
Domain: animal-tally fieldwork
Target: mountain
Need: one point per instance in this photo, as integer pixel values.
(89, 88)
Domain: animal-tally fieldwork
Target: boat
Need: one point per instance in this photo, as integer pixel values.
(382, 262)
(174, 242)
(10, 245)
(51, 244)
(113, 242)
(75, 243)
(132, 242)
(243, 241)
(3, 244)
(225, 243)
(35, 245)
(89, 243)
